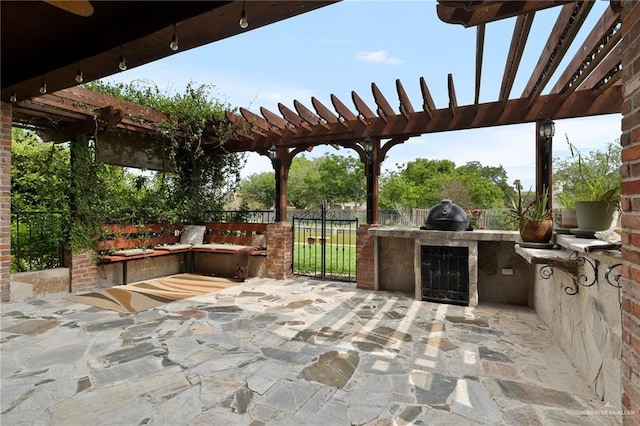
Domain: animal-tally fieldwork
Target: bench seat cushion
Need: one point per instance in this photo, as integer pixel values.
(132, 252)
(172, 247)
(223, 248)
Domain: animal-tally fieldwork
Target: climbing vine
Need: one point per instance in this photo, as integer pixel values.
(196, 181)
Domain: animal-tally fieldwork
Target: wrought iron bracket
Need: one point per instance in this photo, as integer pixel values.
(616, 276)
(571, 266)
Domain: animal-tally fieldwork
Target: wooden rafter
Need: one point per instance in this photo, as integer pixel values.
(384, 108)
(601, 40)
(427, 101)
(482, 12)
(518, 42)
(569, 21)
(453, 101)
(405, 106)
(479, 55)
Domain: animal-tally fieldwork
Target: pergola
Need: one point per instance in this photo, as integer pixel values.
(43, 44)
(589, 85)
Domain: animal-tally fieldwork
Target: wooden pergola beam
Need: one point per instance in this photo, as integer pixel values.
(604, 36)
(454, 12)
(569, 21)
(479, 55)
(518, 43)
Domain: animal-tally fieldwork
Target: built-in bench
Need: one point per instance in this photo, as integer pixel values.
(123, 243)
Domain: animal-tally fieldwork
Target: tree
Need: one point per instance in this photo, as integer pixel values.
(258, 190)
(39, 174)
(423, 183)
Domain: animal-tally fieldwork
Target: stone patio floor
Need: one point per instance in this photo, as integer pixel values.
(293, 352)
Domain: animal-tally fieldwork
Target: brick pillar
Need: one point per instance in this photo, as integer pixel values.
(630, 280)
(84, 273)
(5, 200)
(279, 250)
(364, 258)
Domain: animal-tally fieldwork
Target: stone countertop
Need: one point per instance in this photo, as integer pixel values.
(565, 245)
(477, 235)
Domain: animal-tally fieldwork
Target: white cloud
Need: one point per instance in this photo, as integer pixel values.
(379, 56)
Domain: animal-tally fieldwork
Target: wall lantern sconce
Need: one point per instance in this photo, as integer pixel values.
(273, 153)
(244, 23)
(13, 98)
(547, 128)
(367, 145)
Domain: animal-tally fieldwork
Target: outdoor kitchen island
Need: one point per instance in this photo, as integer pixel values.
(458, 267)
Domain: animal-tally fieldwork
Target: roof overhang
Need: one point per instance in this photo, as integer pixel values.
(44, 42)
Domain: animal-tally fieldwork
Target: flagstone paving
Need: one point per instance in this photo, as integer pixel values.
(294, 352)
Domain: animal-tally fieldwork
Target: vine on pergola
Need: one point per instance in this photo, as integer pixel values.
(197, 182)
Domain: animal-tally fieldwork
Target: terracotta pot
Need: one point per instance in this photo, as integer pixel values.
(536, 231)
(569, 218)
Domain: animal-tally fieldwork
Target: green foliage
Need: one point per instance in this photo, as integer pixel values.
(329, 180)
(535, 208)
(198, 181)
(258, 190)
(592, 177)
(39, 174)
(422, 183)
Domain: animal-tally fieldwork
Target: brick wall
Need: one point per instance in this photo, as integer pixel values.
(5, 199)
(279, 250)
(630, 280)
(364, 258)
(84, 273)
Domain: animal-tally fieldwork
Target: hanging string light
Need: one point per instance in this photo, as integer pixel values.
(174, 40)
(123, 62)
(43, 86)
(79, 75)
(243, 17)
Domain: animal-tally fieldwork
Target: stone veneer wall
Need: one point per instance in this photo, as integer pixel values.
(5, 200)
(365, 268)
(587, 325)
(84, 273)
(279, 250)
(630, 141)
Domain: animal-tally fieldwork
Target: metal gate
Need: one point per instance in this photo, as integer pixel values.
(324, 245)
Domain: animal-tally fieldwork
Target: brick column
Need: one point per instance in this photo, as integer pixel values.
(84, 273)
(5, 200)
(364, 258)
(279, 250)
(630, 280)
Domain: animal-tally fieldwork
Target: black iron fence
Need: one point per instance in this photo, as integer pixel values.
(324, 244)
(36, 241)
(253, 216)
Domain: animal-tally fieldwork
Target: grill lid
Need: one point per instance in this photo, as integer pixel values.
(446, 216)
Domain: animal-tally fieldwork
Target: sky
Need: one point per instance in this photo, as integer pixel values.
(346, 46)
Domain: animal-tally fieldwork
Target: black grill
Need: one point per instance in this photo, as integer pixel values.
(445, 274)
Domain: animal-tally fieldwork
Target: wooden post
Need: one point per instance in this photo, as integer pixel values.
(544, 154)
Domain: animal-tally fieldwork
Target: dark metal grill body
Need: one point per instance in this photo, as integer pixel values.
(445, 274)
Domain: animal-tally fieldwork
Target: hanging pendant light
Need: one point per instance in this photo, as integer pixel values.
(244, 23)
(174, 40)
(122, 64)
(43, 86)
(79, 76)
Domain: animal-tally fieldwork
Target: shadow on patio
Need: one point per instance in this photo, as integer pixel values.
(288, 352)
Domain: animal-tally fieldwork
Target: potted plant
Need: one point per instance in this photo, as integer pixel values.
(568, 219)
(533, 217)
(593, 187)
